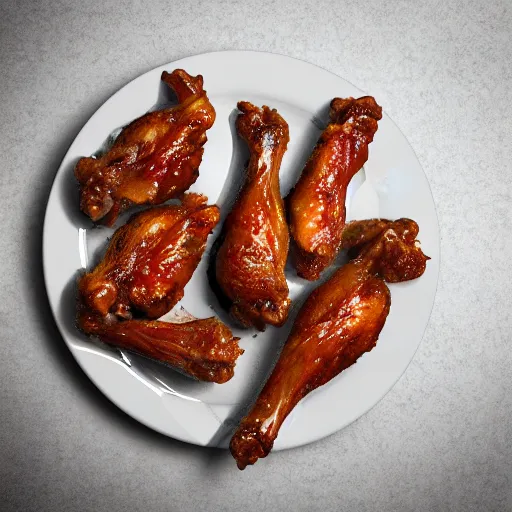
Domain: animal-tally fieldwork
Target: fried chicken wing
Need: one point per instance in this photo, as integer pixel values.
(150, 259)
(317, 203)
(145, 269)
(155, 158)
(389, 246)
(204, 348)
(250, 262)
(339, 322)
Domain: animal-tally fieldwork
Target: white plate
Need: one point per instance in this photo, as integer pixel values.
(391, 185)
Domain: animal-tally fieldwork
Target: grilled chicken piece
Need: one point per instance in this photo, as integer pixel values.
(145, 269)
(339, 322)
(317, 203)
(249, 264)
(154, 158)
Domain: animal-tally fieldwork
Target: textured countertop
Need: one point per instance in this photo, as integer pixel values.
(442, 438)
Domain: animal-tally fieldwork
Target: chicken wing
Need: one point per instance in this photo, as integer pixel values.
(339, 322)
(317, 203)
(155, 158)
(145, 269)
(204, 348)
(150, 260)
(250, 261)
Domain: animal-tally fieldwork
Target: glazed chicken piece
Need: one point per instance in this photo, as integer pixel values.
(154, 158)
(145, 269)
(250, 261)
(317, 203)
(204, 349)
(339, 322)
(150, 260)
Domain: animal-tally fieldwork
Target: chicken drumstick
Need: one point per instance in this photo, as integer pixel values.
(339, 322)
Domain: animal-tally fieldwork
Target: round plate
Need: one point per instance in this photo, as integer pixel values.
(391, 185)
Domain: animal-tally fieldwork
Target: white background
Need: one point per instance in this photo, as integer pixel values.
(441, 439)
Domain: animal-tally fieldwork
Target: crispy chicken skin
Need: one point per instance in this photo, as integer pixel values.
(339, 322)
(154, 158)
(250, 261)
(316, 205)
(145, 269)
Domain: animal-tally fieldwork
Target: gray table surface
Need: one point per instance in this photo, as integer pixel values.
(442, 438)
